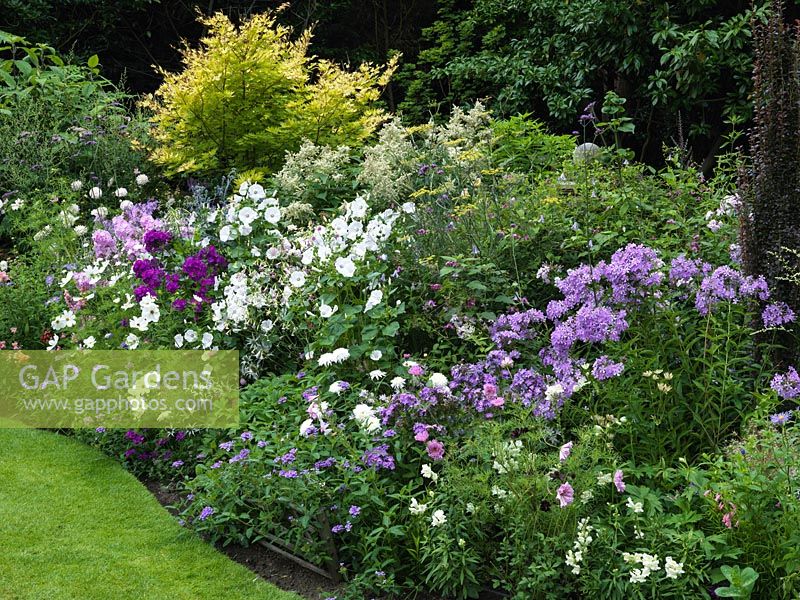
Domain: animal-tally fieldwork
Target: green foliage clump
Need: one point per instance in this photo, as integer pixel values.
(251, 93)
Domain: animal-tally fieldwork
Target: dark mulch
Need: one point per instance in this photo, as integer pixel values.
(270, 566)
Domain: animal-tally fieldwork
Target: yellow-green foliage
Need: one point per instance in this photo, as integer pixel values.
(251, 93)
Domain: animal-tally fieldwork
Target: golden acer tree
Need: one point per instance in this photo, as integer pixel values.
(250, 93)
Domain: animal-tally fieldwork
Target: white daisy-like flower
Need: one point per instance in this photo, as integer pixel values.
(89, 342)
(76, 185)
(142, 179)
(95, 193)
(398, 383)
(120, 192)
(376, 374)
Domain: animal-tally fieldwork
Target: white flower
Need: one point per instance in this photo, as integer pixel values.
(272, 215)
(470, 508)
(140, 323)
(636, 507)
(339, 226)
(18, 203)
(437, 380)
(397, 383)
(178, 340)
(3, 265)
(226, 233)
(326, 311)
(639, 575)
(255, 192)
(297, 279)
(190, 336)
(358, 208)
(345, 267)
(273, 253)
(428, 473)
(336, 387)
(416, 508)
(142, 179)
(101, 212)
(207, 340)
(95, 193)
(120, 192)
(89, 342)
(305, 427)
(365, 416)
(375, 298)
(438, 518)
(76, 185)
(409, 208)
(267, 325)
(51, 345)
(150, 312)
(126, 205)
(553, 392)
(247, 215)
(341, 355)
(673, 568)
(80, 230)
(374, 355)
(376, 374)
(132, 341)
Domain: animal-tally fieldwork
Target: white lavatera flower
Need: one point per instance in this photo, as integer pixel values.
(248, 215)
(308, 256)
(354, 230)
(272, 215)
(226, 233)
(358, 207)
(339, 226)
(255, 192)
(190, 335)
(273, 253)
(178, 340)
(345, 266)
(132, 341)
(297, 279)
(326, 311)
(207, 340)
(375, 298)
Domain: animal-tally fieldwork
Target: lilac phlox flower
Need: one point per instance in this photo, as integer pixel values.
(227, 446)
(777, 314)
(787, 385)
(604, 368)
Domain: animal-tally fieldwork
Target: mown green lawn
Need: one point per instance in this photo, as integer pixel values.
(75, 525)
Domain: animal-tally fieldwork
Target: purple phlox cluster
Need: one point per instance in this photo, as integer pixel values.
(725, 284)
(156, 240)
(227, 446)
(379, 458)
(205, 513)
(605, 368)
(787, 385)
(777, 314)
(125, 233)
(515, 326)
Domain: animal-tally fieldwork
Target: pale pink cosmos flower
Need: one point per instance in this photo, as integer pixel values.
(565, 495)
(564, 451)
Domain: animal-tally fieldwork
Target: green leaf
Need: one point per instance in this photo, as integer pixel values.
(93, 61)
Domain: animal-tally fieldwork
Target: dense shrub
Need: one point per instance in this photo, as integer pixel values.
(251, 93)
